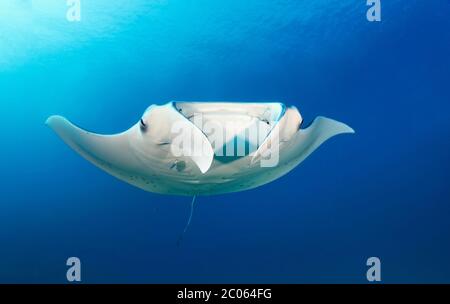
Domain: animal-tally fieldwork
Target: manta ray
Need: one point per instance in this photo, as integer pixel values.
(146, 155)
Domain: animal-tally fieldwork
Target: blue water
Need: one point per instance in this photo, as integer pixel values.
(382, 192)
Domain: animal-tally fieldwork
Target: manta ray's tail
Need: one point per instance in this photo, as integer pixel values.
(180, 239)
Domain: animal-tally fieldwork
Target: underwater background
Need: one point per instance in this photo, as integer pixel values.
(381, 192)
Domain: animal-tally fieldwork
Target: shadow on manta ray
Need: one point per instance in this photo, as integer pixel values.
(143, 156)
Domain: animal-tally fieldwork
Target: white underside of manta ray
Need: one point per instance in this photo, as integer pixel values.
(142, 156)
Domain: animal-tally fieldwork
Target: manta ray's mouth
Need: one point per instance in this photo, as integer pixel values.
(245, 124)
(229, 112)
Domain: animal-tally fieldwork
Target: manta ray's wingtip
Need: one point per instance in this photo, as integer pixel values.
(348, 129)
(52, 120)
(337, 127)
